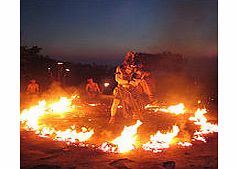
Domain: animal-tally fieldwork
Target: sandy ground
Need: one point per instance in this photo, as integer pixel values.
(37, 152)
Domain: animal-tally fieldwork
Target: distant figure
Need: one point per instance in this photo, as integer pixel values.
(92, 88)
(32, 88)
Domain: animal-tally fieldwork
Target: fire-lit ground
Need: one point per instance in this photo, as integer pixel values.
(45, 151)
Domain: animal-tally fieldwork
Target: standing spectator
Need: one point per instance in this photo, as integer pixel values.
(33, 88)
(92, 88)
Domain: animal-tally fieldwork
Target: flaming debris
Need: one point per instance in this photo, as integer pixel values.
(160, 141)
(125, 142)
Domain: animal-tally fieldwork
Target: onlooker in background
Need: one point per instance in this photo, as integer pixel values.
(33, 88)
(92, 88)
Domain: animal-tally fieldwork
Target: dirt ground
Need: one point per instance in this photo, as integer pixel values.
(44, 153)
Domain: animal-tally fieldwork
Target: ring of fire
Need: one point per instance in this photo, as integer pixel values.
(127, 141)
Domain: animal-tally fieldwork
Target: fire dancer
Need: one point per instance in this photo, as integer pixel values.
(139, 75)
(129, 58)
(131, 84)
(122, 93)
(33, 88)
(92, 88)
(139, 80)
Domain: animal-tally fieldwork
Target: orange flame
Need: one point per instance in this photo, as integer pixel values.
(30, 117)
(72, 136)
(174, 109)
(184, 144)
(62, 106)
(125, 142)
(93, 104)
(106, 84)
(205, 127)
(160, 141)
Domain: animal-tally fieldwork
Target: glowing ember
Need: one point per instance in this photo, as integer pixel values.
(75, 96)
(175, 109)
(205, 127)
(149, 106)
(125, 142)
(185, 144)
(92, 104)
(199, 137)
(106, 84)
(30, 117)
(109, 147)
(160, 141)
(72, 136)
(45, 132)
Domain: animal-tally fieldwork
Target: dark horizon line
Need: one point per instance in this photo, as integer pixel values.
(115, 62)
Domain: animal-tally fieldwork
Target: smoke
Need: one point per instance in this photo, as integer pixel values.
(56, 90)
(174, 87)
(197, 81)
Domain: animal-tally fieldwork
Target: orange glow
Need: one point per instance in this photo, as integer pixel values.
(184, 144)
(125, 142)
(72, 136)
(160, 141)
(30, 117)
(106, 84)
(205, 127)
(62, 106)
(175, 109)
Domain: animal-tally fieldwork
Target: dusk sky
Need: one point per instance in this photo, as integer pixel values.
(101, 31)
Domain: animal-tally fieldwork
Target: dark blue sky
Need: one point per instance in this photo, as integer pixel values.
(102, 31)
